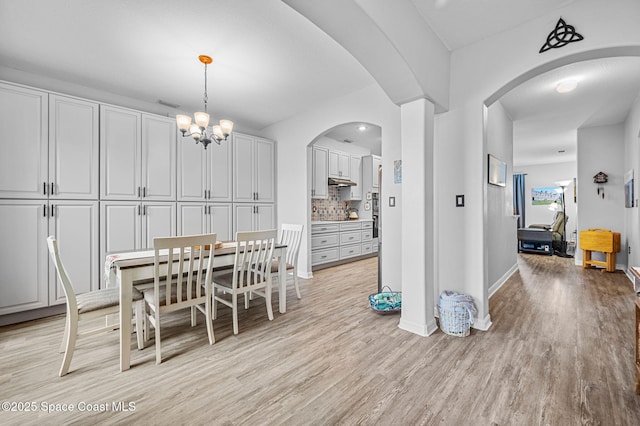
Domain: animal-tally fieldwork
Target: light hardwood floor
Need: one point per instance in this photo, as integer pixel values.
(560, 352)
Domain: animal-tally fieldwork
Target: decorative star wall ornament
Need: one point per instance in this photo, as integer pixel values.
(561, 35)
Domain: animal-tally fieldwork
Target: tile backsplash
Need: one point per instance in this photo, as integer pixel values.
(333, 208)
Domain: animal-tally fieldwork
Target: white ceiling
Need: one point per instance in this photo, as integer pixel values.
(370, 138)
(546, 121)
(271, 63)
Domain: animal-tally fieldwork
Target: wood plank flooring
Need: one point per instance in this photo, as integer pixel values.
(560, 352)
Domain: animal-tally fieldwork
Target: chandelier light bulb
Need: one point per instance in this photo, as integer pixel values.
(195, 132)
(226, 127)
(202, 119)
(184, 122)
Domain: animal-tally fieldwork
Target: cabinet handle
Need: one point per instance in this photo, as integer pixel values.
(144, 191)
(257, 196)
(323, 241)
(144, 210)
(44, 210)
(209, 191)
(323, 257)
(138, 209)
(138, 191)
(52, 188)
(53, 210)
(44, 188)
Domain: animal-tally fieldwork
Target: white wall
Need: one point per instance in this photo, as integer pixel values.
(341, 146)
(369, 105)
(501, 224)
(480, 71)
(545, 175)
(631, 236)
(601, 149)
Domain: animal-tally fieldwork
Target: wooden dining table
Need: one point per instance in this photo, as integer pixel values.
(125, 269)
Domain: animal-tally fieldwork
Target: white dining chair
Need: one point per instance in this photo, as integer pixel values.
(186, 284)
(251, 273)
(91, 305)
(290, 235)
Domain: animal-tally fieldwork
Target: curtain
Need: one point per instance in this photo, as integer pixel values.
(519, 198)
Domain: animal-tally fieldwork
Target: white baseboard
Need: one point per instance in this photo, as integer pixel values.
(482, 324)
(305, 275)
(503, 279)
(419, 329)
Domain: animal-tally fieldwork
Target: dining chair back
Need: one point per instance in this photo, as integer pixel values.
(291, 236)
(182, 279)
(89, 305)
(251, 273)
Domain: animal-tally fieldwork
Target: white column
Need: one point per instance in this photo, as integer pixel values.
(418, 277)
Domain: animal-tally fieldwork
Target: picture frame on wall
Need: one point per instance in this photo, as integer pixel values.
(497, 171)
(628, 189)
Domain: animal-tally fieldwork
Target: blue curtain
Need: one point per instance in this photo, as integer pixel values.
(519, 198)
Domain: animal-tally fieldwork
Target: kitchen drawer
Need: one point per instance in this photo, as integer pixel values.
(367, 234)
(367, 248)
(324, 256)
(374, 247)
(350, 226)
(350, 251)
(350, 237)
(321, 228)
(324, 240)
(367, 225)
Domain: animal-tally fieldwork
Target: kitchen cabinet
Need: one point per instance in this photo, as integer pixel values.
(253, 217)
(354, 192)
(341, 240)
(126, 226)
(339, 164)
(58, 156)
(370, 165)
(319, 182)
(204, 218)
(138, 154)
(24, 230)
(204, 174)
(253, 169)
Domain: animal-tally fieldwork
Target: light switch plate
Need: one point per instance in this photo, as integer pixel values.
(392, 201)
(459, 200)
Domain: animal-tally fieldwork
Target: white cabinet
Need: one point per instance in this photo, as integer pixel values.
(253, 169)
(138, 155)
(204, 174)
(334, 241)
(126, 226)
(354, 192)
(319, 182)
(253, 217)
(203, 218)
(339, 164)
(370, 165)
(58, 157)
(24, 229)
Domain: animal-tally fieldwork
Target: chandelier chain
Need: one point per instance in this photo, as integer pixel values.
(205, 98)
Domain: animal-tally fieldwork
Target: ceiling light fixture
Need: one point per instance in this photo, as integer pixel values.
(362, 127)
(199, 130)
(566, 86)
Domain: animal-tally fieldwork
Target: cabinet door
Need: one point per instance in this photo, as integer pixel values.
(75, 225)
(243, 164)
(158, 220)
(24, 147)
(158, 158)
(377, 162)
(264, 170)
(334, 164)
(221, 221)
(23, 256)
(192, 170)
(119, 226)
(120, 154)
(356, 176)
(344, 165)
(220, 169)
(264, 217)
(243, 217)
(74, 160)
(192, 219)
(320, 186)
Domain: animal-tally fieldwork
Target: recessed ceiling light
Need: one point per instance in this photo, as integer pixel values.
(566, 86)
(362, 127)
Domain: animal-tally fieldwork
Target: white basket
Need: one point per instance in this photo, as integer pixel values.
(455, 315)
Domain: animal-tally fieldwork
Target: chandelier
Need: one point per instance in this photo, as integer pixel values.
(199, 130)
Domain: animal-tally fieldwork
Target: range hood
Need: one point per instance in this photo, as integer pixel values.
(341, 182)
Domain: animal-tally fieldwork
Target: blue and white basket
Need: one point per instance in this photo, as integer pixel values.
(456, 312)
(386, 302)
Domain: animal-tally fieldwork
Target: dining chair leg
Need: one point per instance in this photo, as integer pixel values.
(65, 336)
(157, 342)
(247, 297)
(234, 310)
(140, 323)
(214, 309)
(209, 320)
(194, 317)
(268, 299)
(295, 282)
(146, 324)
(70, 344)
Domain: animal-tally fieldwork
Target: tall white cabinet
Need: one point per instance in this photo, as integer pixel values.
(320, 164)
(253, 169)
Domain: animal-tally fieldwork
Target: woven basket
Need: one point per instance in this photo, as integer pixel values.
(455, 317)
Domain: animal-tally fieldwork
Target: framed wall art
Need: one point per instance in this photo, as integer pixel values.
(497, 171)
